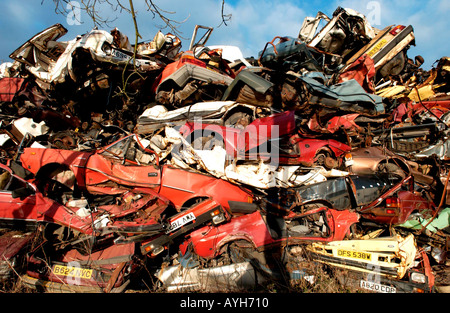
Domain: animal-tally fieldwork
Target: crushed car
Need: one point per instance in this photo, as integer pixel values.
(201, 170)
(384, 264)
(252, 235)
(126, 165)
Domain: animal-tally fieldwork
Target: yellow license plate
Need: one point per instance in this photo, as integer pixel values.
(355, 254)
(377, 47)
(72, 271)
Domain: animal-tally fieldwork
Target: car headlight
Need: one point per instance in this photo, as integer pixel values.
(218, 217)
(106, 48)
(418, 278)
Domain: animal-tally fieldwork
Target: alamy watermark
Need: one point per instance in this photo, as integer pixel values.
(374, 13)
(73, 9)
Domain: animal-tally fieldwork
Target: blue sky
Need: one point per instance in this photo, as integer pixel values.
(252, 23)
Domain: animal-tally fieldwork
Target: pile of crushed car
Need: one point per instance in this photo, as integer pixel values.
(206, 171)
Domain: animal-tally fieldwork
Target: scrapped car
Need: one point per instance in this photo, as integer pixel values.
(199, 74)
(227, 113)
(127, 165)
(23, 206)
(344, 33)
(106, 270)
(134, 216)
(385, 264)
(238, 141)
(53, 61)
(377, 198)
(231, 248)
(349, 35)
(287, 53)
(192, 79)
(271, 138)
(262, 231)
(388, 50)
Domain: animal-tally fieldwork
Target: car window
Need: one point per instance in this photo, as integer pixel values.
(311, 225)
(117, 150)
(5, 178)
(369, 188)
(129, 152)
(9, 182)
(333, 190)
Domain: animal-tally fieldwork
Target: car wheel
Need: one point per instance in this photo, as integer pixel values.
(324, 159)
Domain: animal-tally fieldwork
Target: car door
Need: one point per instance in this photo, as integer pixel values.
(15, 210)
(125, 163)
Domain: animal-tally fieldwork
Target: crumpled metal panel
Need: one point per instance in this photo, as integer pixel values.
(233, 277)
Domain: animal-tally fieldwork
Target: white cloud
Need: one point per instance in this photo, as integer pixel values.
(19, 12)
(254, 23)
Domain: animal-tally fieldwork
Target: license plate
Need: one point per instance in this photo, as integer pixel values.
(377, 47)
(376, 287)
(181, 221)
(355, 254)
(120, 55)
(71, 271)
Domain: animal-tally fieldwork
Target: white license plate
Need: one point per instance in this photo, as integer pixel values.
(377, 287)
(181, 221)
(120, 55)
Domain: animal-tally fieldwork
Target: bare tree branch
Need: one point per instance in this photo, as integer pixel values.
(93, 9)
(225, 17)
(163, 15)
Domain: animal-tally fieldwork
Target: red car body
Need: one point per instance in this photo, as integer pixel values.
(239, 141)
(22, 212)
(277, 130)
(27, 208)
(123, 222)
(106, 270)
(253, 227)
(106, 172)
(188, 59)
(397, 204)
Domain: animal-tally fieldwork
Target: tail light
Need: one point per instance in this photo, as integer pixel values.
(397, 29)
(391, 205)
(192, 60)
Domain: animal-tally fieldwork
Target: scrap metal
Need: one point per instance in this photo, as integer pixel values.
(203, 170)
